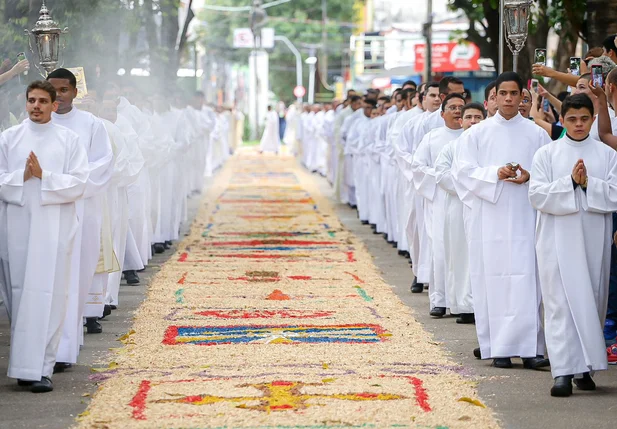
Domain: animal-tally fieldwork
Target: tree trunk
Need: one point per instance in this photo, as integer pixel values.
(601, 20)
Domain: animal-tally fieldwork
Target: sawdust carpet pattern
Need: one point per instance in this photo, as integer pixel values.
(273, 316)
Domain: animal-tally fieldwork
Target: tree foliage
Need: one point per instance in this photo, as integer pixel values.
(301, 22)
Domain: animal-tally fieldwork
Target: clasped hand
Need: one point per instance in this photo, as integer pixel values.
(508, 172)
(579, 172)
(33, 168)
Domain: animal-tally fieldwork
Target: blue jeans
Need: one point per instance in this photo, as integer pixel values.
(610, 326)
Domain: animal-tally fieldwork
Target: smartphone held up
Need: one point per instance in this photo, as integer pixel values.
(596, 76)
(575, 66)
(540, 57)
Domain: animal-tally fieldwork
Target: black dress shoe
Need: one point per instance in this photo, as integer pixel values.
(131, 277)
(106, 311)
(93, 326)
(562, 387)
(159, 247)
(585, 383)
(466, 318)
(364, 222)
(502, 363)
(376, 232)
(394, 244)
(373, 226)
(113, 307)
(535, 363)
(169, 243)
(61, 367)
(24, 383)
(167, 246)
(477, 353)
(416, 287)
(43, 386)
(438, 311)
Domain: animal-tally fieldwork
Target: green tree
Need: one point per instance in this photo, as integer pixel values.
(301, 22)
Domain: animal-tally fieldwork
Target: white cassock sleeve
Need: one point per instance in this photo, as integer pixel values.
(101, 161)
(601, 195)
(11, 184)
(67, 187)
(483, 182)
(556, 197)
(424, 179)
(443, 169)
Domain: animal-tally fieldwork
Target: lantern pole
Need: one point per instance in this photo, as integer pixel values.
(516, 14)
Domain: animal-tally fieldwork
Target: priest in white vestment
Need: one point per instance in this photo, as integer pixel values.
(270, 140)
(43, 171)
(354, 103)
(506, 294)
(127, 168)
(425, 183)
(574, 188)
(456, 250)
(411, 211)
(86, 286)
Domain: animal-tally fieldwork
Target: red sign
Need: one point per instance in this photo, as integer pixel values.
(299, 91)
(449, 57)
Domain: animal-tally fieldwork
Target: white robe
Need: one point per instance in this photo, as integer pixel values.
(38, 221)
(413, 235)
(506, 293)
(573, 244)
(356, 130)
(425, 183)
(93, 137)
(456, 251)
(339, 157)
(271, 140)
(127, 167)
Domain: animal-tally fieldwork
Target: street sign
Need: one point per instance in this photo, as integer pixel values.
(243, 38)
(299, 91)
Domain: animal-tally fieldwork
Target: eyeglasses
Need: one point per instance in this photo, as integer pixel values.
(454, 108)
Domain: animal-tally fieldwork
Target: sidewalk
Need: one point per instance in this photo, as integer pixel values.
(19, 408)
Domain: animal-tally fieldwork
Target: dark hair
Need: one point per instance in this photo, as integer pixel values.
(488, 89)
(45, 86)
(350, 90)
(594, 52)
(450, 97)
(585, 76)
(609, 44)
(384, 98)
(63, 74)
(354, 98)
(410, 82)
(562, 95)
(396, 91)
(578, 101)
(509, 77)
(430, 85)
(446, 81)
(473, 106)
(370, 101)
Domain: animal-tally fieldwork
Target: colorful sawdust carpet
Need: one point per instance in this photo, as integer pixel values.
(273, 316)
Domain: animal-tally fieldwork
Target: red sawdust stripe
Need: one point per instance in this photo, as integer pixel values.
(270, 242)
(355, 277)
(139, 401)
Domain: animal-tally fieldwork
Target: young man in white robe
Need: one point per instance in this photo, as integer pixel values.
(87, 295)
(128, 165)
(456, 250)
(43, 172)
(574, 188)
(354, 103)
(411, 211)
(270, 140)
(506, 293)
(425, 183)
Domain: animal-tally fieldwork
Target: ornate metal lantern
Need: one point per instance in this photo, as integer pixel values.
(516, 17)
(46, 34)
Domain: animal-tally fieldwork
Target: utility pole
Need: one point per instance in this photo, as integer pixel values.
(428, 34)
(324, 40)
